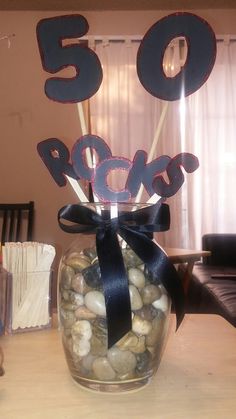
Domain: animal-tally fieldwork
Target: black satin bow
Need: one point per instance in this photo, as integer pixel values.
(135, 228)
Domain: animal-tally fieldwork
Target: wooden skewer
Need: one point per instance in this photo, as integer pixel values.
(84, 130)
(75, 185)
(154, 145)
(78, 190)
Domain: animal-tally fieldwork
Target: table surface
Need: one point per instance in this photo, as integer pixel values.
(178, 255)
(196, 378)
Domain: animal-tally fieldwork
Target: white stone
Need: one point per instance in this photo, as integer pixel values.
(135, 298)
(79, 299)
(95, 302)
(81, 347)
(82, 329)
(162, 303)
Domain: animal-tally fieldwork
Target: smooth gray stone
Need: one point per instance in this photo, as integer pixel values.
(103, 369)
(122, 361)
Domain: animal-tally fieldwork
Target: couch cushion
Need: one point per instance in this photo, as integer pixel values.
(224, 294)
(213, 290)
(206, 273)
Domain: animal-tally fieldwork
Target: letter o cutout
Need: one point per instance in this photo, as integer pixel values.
(200, 57)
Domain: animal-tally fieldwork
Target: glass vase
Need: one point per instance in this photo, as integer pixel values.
(134, 359)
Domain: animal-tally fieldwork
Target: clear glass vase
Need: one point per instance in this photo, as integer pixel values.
(132, 361)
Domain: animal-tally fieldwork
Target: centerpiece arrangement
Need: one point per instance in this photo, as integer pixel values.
(115, 283)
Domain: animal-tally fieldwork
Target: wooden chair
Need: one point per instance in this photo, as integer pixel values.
(16, 222)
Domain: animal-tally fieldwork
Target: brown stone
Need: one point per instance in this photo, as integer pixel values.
(150, 293)
(79, 285)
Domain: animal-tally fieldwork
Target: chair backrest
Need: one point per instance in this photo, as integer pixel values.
(16, 222)
(222, 248)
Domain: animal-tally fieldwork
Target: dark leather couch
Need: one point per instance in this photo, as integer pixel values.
(213, 285)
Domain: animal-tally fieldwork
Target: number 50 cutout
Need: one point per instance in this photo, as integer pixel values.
(198, 66)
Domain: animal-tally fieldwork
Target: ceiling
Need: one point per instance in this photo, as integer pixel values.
(115, 4)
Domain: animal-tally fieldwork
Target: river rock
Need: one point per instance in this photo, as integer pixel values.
(127, 341)
(130, 258)
(78, 284)
(99, 336)
(81, 347)
(162, 303)
(140, 346)
(103, 369)
(150, 277)
(136, 277)
(68, 306)
(156, 332)
(121, 361)
(131, 342)
(150, 293)
(76, 298)
(95, 302)
(147, 313)
(98, 346)
(77, 263)
(144, 361)
(92, 275)
(135, 298)
(90, 252)
(140, 326)
(82, 329)
(67, 273)
(87, 361)
(67, 318)
(83, 313)
(99, 326)
(74, 255)
(65, 295)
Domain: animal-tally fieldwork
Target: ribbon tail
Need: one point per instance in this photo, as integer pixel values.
(115, 285)
(161, 268)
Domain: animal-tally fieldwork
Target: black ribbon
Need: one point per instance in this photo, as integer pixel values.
(135, 228)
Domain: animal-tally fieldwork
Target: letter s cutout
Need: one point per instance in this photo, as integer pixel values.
(54, 56)
(176, 177)
(200, 58)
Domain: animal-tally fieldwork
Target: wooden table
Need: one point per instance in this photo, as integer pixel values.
(196, 378)
(187, 258)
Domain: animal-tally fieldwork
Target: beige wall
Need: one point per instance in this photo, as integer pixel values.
(27, 116)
